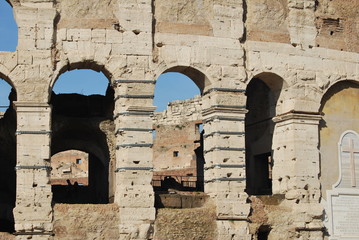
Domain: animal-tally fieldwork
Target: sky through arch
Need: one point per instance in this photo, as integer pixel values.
(173, 86)
(82, 81)
(5, 90)
(169, 87)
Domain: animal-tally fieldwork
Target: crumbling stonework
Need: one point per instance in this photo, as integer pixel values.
(187, 223)
(177, 136)
(178, 145)
(86, 221)
(300, 50)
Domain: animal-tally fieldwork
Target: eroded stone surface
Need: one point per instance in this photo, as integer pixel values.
(221, 45)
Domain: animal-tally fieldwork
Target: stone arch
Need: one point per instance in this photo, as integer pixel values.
(85, 123)
(198, 76)
(85, 65)
(263, 93)
(185, 141)
(277, 84)
(4, 73)
(340, 113)
(13, 2)
(331, 85)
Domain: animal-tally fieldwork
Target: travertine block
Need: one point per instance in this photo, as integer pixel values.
(137, 214)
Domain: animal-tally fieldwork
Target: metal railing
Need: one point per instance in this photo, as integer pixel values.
(177, 182)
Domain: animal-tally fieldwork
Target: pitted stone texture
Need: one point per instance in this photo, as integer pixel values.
(221, 45)
(183, 224)
(267, 21)
(336, 20)
(86, 221)
(92, 14)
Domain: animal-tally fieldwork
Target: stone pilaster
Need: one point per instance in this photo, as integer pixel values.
(33, 211)
(301, 22)
(296, 169)
(133, 192)
(224, 149)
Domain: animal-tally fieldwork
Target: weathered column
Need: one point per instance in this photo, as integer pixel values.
(133, 192)
(224, 149)
(296, 170)
(301, 22)
(33, 211)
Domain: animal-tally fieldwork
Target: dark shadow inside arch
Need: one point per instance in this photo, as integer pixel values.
(262, 95)
(83, 135)
(8, 28)
(84, 121)
(7, 164)
(178, 144)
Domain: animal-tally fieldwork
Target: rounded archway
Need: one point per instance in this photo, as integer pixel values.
(340, 110)
(178, 130)
(263, 93)
(82, 119)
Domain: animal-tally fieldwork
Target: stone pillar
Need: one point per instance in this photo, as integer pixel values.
(301, 22)
(133, 191)
(296, 170)
(224, 149)
(33, 212)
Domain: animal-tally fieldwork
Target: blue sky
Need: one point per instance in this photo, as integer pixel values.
(169, 86)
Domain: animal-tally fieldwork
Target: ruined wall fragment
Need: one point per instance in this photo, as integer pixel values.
(337, 24)
(267, 21)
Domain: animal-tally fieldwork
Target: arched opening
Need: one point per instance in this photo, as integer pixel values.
(262, 95)
(82, 120)
(340, 110)
(8, 28)
(178, 139)
(7, 157)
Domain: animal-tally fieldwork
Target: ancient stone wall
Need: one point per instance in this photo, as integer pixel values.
(177, 136)
(180, 111)
(307, 46)
(86, 221)
(337, 21)
(189, 223)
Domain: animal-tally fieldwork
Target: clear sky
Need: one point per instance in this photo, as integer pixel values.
(8, 42)
(169, 86)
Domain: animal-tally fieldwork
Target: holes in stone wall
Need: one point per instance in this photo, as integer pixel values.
(8, 28)
(263, 232)
(199, 127)
(332, 26)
